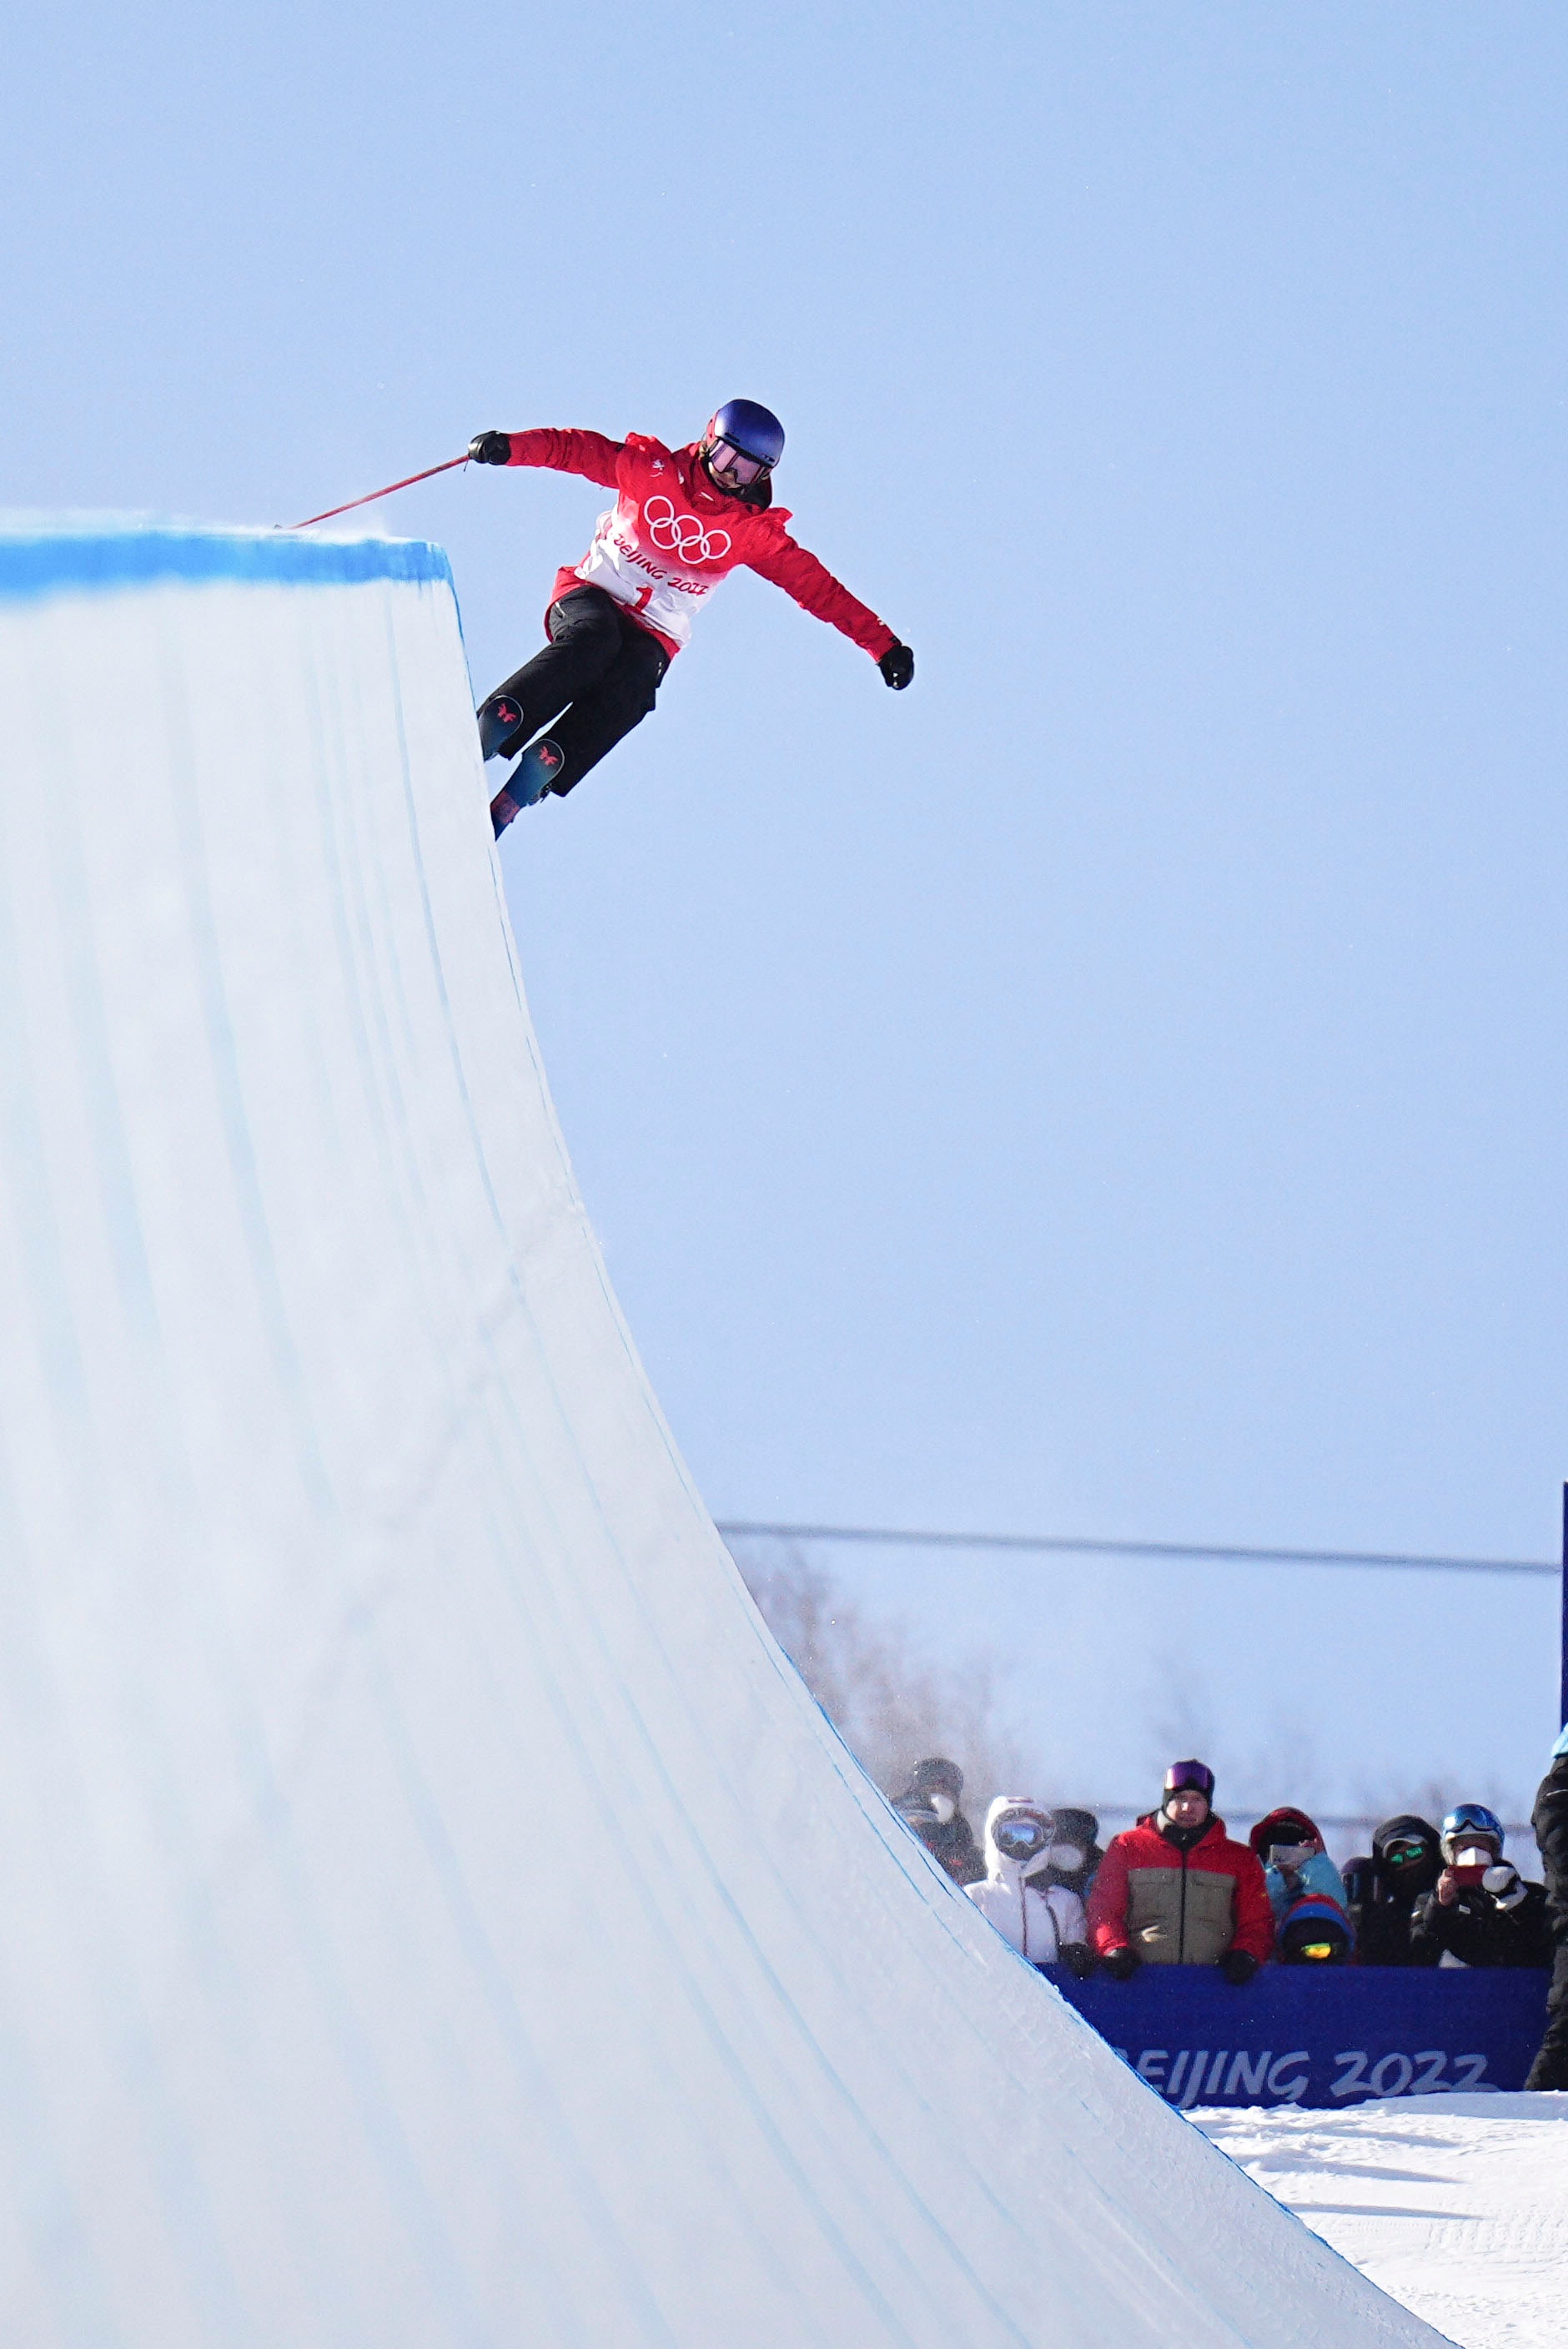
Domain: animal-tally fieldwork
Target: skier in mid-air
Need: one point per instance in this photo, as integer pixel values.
(682, 518)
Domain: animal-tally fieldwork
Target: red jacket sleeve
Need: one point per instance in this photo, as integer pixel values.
(588, 453)
(815, 590)
(1254, 1911)
(1108, 1902)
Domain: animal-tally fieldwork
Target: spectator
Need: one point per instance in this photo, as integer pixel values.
(1549, 1820)
(1304, 1890)
(1174, 1890)
(1075, 1854)
(1044, 1922)
(930, 1804)
(1481, 1912)
(1381, 1890)
(1314, 1931)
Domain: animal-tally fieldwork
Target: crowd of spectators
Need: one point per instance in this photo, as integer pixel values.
(1177, 1890)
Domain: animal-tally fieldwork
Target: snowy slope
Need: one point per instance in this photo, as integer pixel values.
(1457, 2205)
(434, 1912)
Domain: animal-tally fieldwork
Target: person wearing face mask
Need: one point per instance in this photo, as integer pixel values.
(1305, 1890)
(1075, 1854)
(929, 1803)
(1044, 1922)
(1481, 1911)
(1382, 1888)
(1175, 1890)
(682, 520)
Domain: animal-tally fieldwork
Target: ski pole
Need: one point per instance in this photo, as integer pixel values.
(370, 499)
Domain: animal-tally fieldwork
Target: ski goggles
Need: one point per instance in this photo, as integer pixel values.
(1405, 1851)
(1020, 1836)
(724, 457)
(1191, 1777)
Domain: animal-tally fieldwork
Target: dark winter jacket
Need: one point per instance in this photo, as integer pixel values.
(1380, 1898)
(1478, 1930)
(951, 1842)
(1177, 1903)
(1550, 1821)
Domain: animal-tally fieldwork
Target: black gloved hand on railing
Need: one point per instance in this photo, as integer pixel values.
(1122, 1964)
(1078, 1959)
(1238, 1966)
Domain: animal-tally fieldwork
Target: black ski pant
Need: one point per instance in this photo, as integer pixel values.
(1550, 2069)
(599, 669)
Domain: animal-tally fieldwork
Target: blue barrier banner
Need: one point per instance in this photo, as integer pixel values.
(1307, 2036)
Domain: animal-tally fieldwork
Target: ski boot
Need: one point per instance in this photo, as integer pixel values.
(533, 775)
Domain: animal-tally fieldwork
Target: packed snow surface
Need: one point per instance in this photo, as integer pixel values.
(1456, 2204)
(435, 1915)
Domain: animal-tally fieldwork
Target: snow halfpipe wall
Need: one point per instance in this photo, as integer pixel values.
(434, 1911)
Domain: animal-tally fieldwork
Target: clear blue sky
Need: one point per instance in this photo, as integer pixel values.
(1118, 1085)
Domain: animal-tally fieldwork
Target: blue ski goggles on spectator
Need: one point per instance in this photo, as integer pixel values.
(1020, 1836)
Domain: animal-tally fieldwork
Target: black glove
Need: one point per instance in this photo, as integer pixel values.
(1122, 1964)
(490, 447)
(897, 666)
(1078, 1959)
(1238, 1966)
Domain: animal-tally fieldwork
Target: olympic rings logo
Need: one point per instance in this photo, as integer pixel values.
(682, 535)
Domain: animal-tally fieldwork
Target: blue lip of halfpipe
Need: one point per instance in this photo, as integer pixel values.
(435, 1912)
(92, 560)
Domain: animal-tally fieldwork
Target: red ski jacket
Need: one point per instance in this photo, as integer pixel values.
(1180, 1908)
(671, 536)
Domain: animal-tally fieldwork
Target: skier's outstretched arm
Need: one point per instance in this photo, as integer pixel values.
(815, 589)
(592, 454)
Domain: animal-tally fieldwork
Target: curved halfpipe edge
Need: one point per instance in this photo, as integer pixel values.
(436, 1913)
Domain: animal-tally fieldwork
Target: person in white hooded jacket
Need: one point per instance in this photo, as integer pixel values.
(1044, 1922)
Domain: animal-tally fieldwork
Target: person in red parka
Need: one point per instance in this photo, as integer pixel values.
(683, 519)
(1174, 1890)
